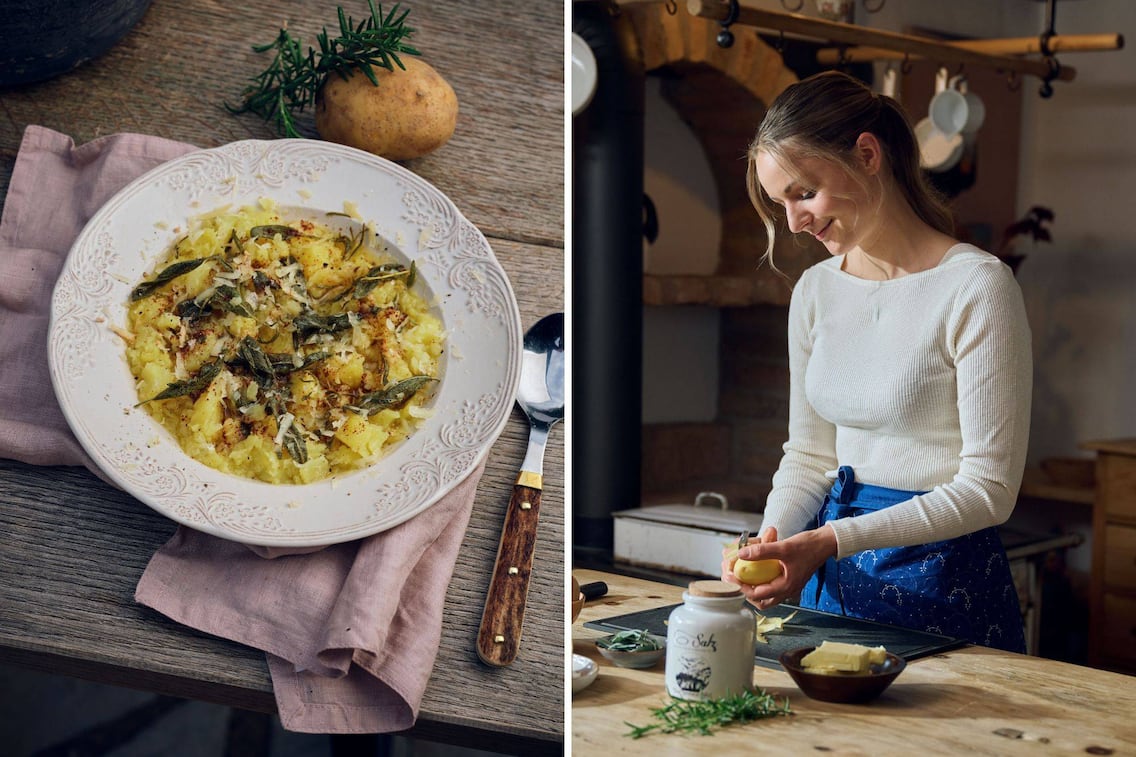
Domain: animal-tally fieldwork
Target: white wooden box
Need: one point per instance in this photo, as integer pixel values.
(681, 538)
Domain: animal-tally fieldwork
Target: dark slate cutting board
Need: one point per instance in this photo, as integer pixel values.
(808, 628)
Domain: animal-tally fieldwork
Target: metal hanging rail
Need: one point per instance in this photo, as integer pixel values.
(1065, 43)
(731, 11)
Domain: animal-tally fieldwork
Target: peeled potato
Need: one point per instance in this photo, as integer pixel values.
(754, 572)
(411, 112)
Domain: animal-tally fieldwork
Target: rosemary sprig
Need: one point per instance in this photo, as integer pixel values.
(293, 78)
(703, 717)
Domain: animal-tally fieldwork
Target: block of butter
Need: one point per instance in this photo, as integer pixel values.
(839, 657)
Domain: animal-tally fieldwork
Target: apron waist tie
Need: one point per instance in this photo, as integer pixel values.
(827, 577)
(843, 489)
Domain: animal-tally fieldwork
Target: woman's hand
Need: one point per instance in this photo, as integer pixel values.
(800, 556)
(730, 555)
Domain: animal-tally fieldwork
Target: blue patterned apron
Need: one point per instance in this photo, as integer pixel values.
(958, 587)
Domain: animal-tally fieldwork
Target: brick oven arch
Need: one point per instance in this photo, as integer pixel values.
(722, 93)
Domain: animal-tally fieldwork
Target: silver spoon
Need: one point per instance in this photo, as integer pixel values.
(541, 397)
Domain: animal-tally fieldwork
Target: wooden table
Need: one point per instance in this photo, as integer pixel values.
(973, 701)
(72, 548)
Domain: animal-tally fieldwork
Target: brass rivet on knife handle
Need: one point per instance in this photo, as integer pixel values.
(499, 638)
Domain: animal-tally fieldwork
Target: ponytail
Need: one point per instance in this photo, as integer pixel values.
(821, 117)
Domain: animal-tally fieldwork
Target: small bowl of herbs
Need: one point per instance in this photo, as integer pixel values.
(633, 649)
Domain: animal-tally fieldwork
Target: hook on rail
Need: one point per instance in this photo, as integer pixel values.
(1054, 66)
(725, 36)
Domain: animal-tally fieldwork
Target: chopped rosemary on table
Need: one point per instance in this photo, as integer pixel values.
(293, 78)
(684, 716)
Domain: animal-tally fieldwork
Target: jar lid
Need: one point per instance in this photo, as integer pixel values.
(719, 589)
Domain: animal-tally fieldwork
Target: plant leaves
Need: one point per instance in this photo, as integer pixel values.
(283, 364)
(395, 396)
(702, 717)
(294, 443)
(221, 297)
(372, 278)
(193, 385)
(165, 276)
(629, 641)
(312, 323)
(251, 354)
(271, 230)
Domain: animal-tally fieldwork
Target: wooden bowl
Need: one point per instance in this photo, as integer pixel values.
(577, 599)
(844, 688)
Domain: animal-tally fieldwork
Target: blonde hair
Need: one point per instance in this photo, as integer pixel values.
(821, 117)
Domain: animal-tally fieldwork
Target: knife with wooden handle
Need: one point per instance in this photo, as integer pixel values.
(499, 637)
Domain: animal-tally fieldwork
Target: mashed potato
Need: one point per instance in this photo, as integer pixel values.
(282, 351)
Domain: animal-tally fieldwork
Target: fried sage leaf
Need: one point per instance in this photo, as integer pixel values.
(165, 276)
(224, 297)
(293, 441)
(194, 385)
(271, 230)
(283, 364)
(311, 323)
(380, 273)
(393, 397)
(254, 357)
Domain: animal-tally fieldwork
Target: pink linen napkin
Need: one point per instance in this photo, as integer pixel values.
(350, 631)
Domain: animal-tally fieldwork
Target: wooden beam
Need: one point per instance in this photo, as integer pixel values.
(851, 34)
(1069, 43)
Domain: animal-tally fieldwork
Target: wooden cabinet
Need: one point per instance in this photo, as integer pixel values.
(1112, 599)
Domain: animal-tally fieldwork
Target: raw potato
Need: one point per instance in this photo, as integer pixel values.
(754, 572)
(409, 114)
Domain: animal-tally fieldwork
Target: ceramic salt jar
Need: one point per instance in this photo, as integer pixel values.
(710, 640)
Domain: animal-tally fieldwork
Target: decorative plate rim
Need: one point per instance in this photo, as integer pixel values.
(471, 292)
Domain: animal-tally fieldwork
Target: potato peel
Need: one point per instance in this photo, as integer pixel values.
(766, 625)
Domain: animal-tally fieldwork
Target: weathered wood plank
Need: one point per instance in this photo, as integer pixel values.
(171, 75)
(72, 548)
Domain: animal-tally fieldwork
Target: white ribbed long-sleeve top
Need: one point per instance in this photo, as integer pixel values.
(920, 383)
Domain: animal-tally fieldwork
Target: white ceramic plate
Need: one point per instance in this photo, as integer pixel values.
(457, 270)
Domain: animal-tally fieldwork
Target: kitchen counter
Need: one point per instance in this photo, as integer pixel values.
(72, 548)
(973, 700)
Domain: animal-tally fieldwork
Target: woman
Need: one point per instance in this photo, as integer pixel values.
(910, 381)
